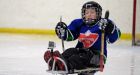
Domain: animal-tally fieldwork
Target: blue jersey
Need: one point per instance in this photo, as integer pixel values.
(90, 36)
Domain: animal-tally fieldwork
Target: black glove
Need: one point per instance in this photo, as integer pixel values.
(106, 25)
(60, 29)
(109, 28)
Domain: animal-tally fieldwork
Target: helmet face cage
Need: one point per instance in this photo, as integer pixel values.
(96, 7)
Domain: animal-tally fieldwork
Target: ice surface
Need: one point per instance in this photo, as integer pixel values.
(23, 55)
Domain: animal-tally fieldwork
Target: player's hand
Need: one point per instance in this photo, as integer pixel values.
(60, 29)
(106, 25)
(103, 24)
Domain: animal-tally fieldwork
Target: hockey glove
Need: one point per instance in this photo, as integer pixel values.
(106, 25)
(60, 29)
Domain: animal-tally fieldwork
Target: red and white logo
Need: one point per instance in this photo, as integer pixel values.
(88, 38)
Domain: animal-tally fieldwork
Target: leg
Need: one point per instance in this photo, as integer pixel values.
(77, 62)
(69, 52)
(72, 58)
(77, 58)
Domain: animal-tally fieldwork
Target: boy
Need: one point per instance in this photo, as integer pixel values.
(88, 32)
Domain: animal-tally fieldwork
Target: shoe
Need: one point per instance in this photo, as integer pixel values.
(59, 64)
(47, 56)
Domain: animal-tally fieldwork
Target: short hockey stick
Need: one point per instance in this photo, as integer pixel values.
(102, 44)
(62, 34)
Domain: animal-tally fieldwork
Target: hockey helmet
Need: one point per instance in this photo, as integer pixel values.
(93, 5)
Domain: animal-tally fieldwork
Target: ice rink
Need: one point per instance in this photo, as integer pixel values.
(23, 55)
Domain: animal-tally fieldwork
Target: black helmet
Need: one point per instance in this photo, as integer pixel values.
(94, 5)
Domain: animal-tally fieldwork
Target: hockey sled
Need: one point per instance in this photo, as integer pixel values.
(66, 71)
(53, 69)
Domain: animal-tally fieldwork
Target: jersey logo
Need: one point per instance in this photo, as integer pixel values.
(88, 38)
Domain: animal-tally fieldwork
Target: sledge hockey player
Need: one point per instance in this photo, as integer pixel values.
(88, 32)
